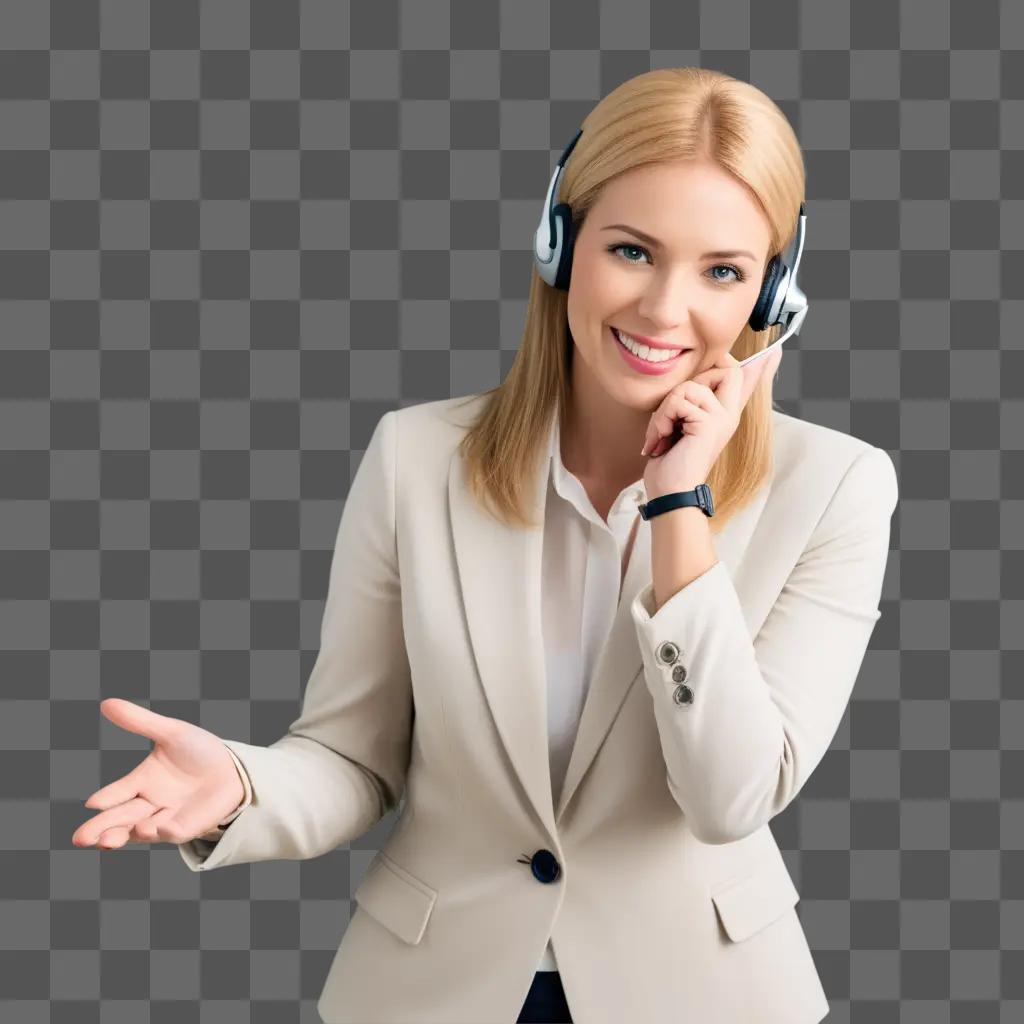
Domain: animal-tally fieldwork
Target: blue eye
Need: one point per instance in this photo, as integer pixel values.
(627, 245)
(728, 266)
(740, 276)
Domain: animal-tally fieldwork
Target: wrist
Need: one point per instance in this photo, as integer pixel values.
(662, 502)
(682, 548)
(674, 484)
(673, 515)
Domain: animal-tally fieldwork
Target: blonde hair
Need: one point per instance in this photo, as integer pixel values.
(664, 115)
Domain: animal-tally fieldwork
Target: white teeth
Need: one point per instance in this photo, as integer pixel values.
(652, 355)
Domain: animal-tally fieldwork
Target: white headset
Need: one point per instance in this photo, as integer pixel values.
(780, 300)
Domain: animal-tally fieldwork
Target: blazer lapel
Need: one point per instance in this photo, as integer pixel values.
(499, 569)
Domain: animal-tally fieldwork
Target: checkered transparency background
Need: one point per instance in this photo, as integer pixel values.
(233, 235)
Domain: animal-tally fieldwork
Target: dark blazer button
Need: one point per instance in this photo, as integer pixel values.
(667, 652)
(544, 866)
(679, 674)
(683, 694)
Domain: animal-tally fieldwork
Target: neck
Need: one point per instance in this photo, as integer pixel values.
(601, 438)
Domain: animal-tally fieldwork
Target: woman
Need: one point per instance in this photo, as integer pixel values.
(593, 714)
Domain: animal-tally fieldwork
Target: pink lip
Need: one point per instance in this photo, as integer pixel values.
(641, 365)
(650, 342)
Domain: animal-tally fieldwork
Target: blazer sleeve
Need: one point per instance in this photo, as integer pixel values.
(764, 711)
(218, 830)
(342, 764)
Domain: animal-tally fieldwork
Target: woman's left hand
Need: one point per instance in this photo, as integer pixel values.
(694, 422)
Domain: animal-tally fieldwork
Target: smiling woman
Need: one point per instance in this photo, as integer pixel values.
(657, 269)
(683, 186)
(680, 302)
(681, 312)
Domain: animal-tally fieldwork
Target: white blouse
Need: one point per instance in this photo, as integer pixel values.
(584, 561)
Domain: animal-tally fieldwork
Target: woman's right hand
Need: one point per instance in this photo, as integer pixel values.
(184, 787)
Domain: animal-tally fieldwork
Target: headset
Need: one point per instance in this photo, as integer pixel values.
(780, 300)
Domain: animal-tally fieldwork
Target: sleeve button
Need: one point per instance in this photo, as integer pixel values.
(668, 652)
(683, 695)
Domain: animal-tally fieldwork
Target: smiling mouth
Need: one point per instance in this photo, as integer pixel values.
(677, 352)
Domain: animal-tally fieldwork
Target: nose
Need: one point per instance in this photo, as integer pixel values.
(665, 305)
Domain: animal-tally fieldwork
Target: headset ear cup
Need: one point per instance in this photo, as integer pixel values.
(564, 214)
(759, 317)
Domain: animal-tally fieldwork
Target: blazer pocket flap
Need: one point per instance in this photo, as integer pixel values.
(397, 899)
(750, 903)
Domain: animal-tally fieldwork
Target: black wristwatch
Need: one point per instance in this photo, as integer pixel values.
(699, 496)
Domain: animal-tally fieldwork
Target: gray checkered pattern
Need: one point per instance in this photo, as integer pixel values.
(232, 235)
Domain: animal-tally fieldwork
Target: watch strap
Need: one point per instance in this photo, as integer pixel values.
(699, 497)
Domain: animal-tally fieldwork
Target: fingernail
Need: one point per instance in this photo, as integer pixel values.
(643, 451)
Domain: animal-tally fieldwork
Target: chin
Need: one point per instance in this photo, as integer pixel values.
(640, 396)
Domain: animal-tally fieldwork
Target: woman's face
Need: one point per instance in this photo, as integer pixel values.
(668, 287)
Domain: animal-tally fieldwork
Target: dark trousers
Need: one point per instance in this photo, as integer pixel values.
(545, 1002)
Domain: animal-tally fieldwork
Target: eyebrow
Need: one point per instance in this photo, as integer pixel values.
(650, 240)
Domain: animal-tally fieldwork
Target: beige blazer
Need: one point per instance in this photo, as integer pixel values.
(657, 876)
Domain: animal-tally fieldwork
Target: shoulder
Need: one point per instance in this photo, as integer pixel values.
(459, 409)
(444, 421)
(424, 436)
(801, 440)
(840, 467)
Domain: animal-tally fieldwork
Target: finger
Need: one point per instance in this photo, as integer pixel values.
(178, 825)
(721, 389)
(168, 828)
(763, 359)
(690, 391)
(734, 384)
(118, 792)
(125, 815)
(735, 392)
(114, 838)
(712, 377)
(663, 421)
(662, 445)
(749, 377)
(700, 394)
(135, 718)
(717, 371)
(771, 364)
(148, 829)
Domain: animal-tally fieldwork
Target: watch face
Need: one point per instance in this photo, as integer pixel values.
(705, 499)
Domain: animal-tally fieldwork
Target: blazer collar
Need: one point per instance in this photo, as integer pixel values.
(499, 569)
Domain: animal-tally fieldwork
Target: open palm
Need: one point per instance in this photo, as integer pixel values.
(186, 784)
